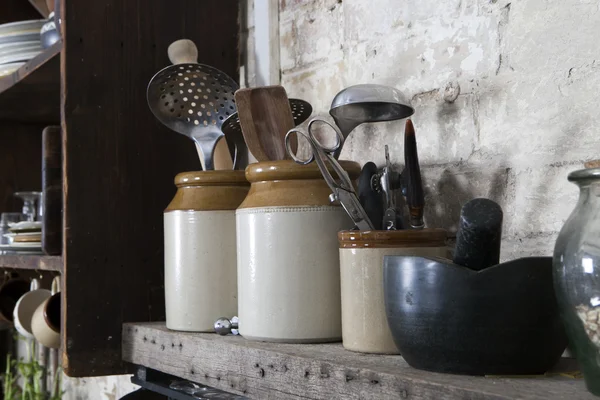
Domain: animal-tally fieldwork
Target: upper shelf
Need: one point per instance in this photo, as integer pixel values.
(32, 93)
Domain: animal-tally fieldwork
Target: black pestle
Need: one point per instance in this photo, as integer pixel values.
(479, 234)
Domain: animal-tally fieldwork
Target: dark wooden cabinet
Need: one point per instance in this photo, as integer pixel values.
(118, 162)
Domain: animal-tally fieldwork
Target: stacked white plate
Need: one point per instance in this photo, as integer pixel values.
(24, 237)
(19, 43)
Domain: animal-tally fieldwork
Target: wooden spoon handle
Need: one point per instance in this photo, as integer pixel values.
(183, 51)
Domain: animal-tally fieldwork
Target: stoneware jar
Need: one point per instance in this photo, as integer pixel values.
(200, 256)
(364, 322)
(288, 260)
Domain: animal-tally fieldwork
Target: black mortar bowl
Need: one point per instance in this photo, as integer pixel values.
(502, 320)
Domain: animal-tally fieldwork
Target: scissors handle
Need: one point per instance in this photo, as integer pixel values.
(315, 144)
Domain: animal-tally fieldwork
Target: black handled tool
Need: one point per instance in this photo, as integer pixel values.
(368, 197)
(414, 191)
(479, 234)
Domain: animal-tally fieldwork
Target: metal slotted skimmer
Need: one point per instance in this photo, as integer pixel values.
(301, 110)
(194, 100)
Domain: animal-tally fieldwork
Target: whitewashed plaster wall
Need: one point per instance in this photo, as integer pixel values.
(506, 96)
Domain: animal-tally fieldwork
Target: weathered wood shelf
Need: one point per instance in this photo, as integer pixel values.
(32, 93)
(324, 371)
(32, 262)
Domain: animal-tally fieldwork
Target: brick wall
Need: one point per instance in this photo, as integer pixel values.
(506, 96)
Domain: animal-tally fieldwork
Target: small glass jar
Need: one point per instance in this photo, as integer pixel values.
(288, 261)
(200, 257)
(577, 275)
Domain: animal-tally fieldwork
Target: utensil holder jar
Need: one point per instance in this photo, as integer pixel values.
(364, 323)
(288, 260)
(200, 256)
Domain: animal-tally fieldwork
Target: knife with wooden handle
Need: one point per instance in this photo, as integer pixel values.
(415, 199)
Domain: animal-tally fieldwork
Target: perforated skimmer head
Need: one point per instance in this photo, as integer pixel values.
(301, 110)
(194, 100)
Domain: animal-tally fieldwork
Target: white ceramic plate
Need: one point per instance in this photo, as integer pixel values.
(25, 55)
(19, 37)
(17, 46)
(24, 245)
(21, 27)
(25, 225)
(8, 69)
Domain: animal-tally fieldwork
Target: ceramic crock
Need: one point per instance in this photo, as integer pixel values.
(364, 322)
(288, 260)
(200, 256)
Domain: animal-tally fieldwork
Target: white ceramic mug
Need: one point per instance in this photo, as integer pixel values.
(45, 323)
(26, 307)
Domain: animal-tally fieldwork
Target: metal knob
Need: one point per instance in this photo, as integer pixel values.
(224, 326)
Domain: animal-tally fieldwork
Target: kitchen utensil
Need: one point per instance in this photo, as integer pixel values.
(45, 322)
(288, 261)
(367, 103)
(232, 129)
(265, 117)
(503, 320)
(479, 234)
(390, 216)
(26, 307)
(301, 110)
(225, 326)
(414, 191)
(369, 198)
(199, 225)
(364, 323)
(342, 187)
(193, 100)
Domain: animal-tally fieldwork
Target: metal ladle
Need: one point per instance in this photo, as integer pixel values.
(367, 103)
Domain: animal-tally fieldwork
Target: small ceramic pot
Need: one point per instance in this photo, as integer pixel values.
(45, 323)
(10, 293)
(288, 260)
(364, 323)
(200, 257)
(26, 307)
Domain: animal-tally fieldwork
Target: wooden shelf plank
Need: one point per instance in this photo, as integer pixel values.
(32, 93)
(323, 371)
(34, 262)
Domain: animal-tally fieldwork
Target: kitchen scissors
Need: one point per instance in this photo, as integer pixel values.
(342, 188)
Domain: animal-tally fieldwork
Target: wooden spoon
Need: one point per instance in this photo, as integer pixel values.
(265, 117)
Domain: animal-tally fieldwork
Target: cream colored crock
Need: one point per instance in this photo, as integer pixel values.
(200, 256)
(364, 322)
(288, 260)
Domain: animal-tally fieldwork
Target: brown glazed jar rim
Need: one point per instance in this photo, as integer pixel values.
(430, 237)
(211, 178)
(290, 170)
